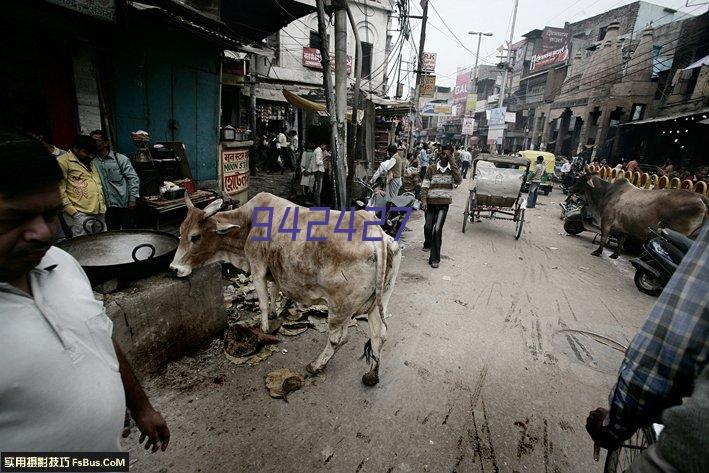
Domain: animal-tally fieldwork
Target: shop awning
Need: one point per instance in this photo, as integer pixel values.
(702, 62)
(316, 107)
(670, 117)
(258, 19)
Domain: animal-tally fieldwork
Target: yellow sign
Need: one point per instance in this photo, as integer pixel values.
(471, 103)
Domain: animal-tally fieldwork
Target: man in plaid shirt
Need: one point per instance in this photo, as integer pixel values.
(662, 365)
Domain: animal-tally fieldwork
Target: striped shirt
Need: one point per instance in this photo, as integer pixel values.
(437, 185)
(670, 350)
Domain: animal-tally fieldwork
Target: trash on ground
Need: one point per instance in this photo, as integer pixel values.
(446, 278)
(291, 329)
(245, 345)
(281, 382)
(553, 248)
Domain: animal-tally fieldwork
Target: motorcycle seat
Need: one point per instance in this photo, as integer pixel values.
(677, 239)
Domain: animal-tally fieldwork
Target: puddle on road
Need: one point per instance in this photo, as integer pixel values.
(595, 351)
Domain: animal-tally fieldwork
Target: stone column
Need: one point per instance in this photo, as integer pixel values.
(563, 132)
(583, 137)
(603, 124)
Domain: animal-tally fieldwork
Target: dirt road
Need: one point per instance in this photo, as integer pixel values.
(492, 363)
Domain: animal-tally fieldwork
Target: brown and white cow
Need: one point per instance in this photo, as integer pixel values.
(632, 211)
(350, 277)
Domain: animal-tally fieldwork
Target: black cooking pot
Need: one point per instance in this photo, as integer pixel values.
(122, 254)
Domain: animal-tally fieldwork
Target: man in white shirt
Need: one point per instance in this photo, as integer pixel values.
(465, 158)
(392, 168)
(284, 150)
(319, 171)
(64, 384)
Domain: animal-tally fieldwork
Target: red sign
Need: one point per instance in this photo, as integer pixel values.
(235, 170)
(554, 50)
(313, 59)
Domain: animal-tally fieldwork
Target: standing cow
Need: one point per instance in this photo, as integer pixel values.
(350, 276)
(632, 211)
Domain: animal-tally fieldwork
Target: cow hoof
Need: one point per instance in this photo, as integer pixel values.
(596, 253)
(310, 368)
(370, 378)
(614, 256)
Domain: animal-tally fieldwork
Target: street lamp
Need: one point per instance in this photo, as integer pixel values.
(475, 74)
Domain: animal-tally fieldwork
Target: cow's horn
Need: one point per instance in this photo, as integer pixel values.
(213, 208)
(188, 202)
(590, 182)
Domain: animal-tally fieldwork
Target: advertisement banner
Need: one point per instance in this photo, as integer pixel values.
(497, 116)
(471, 103)
(468, 125)
(428, 86)
(460, 92)
(428, 62)
(510, 117)
(235, 170)
(434, 109)
(554, 49)
(312, 57)
(480, 106)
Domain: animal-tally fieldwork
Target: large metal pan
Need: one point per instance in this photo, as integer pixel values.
(122, 254)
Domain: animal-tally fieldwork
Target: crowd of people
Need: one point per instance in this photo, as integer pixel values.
(99, 187)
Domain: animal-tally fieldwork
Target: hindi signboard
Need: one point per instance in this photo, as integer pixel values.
(235, 169)
(468, 126)
(554, 49)
(313, 59)
(428, 62)
(428, 86)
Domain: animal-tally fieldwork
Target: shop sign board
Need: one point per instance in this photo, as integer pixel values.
(428, 86)
(235, 169)
(461, 90)
(428, 62)
(510, 117)
(468, 126)
(471, 103)
(433, 109)
(554, 49)
(102, 9)
(312, 59)
(497, 116)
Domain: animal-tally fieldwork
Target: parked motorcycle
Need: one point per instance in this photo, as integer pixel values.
(394, 218)
(659, 260)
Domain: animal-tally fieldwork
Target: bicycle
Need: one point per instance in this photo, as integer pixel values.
(620, 459)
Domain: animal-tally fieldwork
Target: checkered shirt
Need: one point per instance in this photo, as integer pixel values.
(669, 351)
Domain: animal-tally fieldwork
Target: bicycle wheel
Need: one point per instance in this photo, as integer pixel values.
(619, 460)
(520, 224)
(466, 214)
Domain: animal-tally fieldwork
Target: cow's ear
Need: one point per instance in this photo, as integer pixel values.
(188, 202)
(213, 208)
(224, 228)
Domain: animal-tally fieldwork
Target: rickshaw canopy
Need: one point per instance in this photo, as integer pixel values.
(531, 156)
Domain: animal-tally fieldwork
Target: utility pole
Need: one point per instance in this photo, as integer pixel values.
(252, 119)
(419, 74)
(327, 85)
(340, 164)
(509, 51)
(477, 55)
(506, 64)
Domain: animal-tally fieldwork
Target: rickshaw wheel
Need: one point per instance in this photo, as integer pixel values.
(466, 214)
(520, 224)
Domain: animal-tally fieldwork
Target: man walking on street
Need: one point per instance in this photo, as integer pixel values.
(121, 185)
(436, 196)
(665, 376)
(536, 181)
(465, 159)
(423, 160)
(81, 188)
(65, 383)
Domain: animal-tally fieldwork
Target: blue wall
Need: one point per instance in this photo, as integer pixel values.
(162, 73)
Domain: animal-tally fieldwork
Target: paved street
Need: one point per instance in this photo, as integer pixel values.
(492, 364)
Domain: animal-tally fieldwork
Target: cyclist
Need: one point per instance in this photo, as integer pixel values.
(666, 362)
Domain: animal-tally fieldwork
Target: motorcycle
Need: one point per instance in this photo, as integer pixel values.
(659, 260)
(394, 218)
